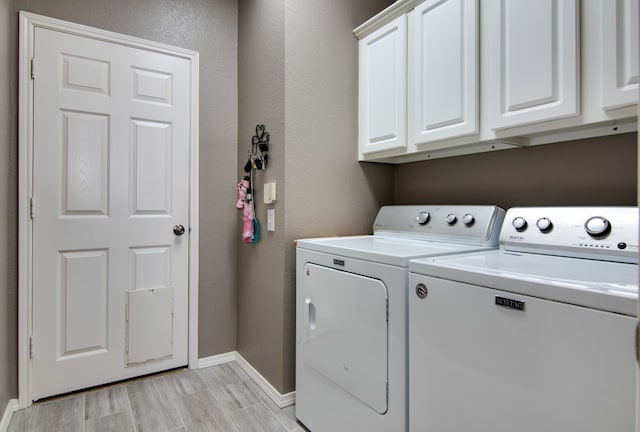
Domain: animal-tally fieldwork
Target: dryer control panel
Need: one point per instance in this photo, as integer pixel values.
(602, 233)
(474, 225)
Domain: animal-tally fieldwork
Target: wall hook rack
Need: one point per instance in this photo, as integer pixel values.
(258, 155)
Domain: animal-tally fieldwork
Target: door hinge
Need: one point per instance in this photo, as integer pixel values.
(33, 68)
(173, 303)
(126, 319)
(31, 207)
(30, 346)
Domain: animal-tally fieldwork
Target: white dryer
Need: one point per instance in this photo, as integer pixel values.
(535, 336)
(351, 323)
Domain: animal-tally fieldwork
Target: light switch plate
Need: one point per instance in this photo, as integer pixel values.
(269, 193)
(271, 220)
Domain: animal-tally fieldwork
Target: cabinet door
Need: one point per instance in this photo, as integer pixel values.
(532, 55)
(619, 53)
(444, 70)
(383, 88)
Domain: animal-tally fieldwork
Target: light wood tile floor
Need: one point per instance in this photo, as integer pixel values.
(219, 398)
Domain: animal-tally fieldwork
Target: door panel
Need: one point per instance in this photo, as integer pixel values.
(151, 161)
(152, 86)
(85, 74)
(150, 267)
(86, 161)
(83, 300)
(111, 172)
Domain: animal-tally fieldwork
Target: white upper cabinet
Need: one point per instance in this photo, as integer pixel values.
(443, 75)
(442, 78)
(383, 88)
(532, 61)
(619, 50)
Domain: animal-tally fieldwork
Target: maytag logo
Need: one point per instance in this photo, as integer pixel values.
(338, 262)
(510, 303)
(516, 237)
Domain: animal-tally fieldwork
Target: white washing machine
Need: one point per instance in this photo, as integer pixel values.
(351, 323)
(535, 336)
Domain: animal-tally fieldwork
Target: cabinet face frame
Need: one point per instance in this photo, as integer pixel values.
(383, 88)
(532, 60)
(443, 70)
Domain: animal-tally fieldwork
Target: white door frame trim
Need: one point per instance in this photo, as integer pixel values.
(28, 24)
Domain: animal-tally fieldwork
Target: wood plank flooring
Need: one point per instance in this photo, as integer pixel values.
(219, 398)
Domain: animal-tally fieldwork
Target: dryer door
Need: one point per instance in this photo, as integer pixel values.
(345, 335)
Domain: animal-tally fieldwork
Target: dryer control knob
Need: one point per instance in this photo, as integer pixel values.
(597, 226)
(544, 224)
(468, 219)
(423, 217)
(519, 223)
(451, 218)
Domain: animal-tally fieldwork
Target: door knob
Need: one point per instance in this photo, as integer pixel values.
(178, 230)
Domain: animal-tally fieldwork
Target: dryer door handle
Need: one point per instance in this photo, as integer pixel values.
(310, 315)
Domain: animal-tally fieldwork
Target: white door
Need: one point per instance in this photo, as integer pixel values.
(111, 135)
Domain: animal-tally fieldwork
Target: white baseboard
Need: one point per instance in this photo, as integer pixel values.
(12, 406)
(281, 400)
(216, 360)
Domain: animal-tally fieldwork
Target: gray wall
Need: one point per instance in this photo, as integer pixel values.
(596, 171)
(211, 29)
(260, 266)
(8, 218)
(298, 75)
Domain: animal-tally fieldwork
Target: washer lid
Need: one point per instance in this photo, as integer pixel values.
(602, 285)
(385, 250)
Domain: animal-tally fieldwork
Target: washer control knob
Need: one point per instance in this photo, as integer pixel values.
(519, 223)
(468, 219)
(544, 224)
(597, 226)
(423, 217)
(451, 218)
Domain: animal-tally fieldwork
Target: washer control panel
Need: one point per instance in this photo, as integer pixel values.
(604, 233)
